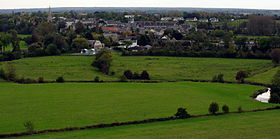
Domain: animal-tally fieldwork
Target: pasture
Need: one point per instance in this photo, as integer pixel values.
(51, 106)
(265, 77)
(77, 68)
(246, 125)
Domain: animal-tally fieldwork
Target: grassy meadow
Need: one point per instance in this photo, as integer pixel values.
(51, 106)
(265, 77)
(160, 68)
(246, 125)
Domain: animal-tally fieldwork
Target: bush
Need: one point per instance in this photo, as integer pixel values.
(145, 75)
(96, 79)
(103, 61)
(2, 74)
(241, 75)
(60, 80)
(275, 88)
(41, 80)
(10, 72)
(128, 74)
(274, 98)
(213, 108)
(52, 50)
(218, 78)
(275, 56)
(25, 81)
(182, 113)
(29, 126)
(136, 76)
(240, 109)
(123, 78)
(225, 109)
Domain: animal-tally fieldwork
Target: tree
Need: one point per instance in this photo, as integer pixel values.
(225, 109)
(60, 80)
(274, 98)
(136, 76)
(182, 113)
(52, 50)
(261, 25)
(10, 72)
(80, 43)
(218, 78)
(5, 40)
(29, 126)
(241, 75)
(2, 74)
(128, 74)
(275, 56)
(80, 28)
(275, 88)
(103, 61)
(145, 75)
(213, 108)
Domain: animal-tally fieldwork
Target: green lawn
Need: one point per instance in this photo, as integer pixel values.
(236, 23)
(78, 104)
(22, 45)
(265, 77)
(159, 68)
(247, 125)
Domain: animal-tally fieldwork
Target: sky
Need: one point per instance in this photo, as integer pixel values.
(250, 4)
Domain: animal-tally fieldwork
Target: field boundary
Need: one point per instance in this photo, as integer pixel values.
(261, 72)
(117, 124)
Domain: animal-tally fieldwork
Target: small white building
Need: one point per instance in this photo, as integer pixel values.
(88, 52)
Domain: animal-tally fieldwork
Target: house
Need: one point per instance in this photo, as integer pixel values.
(178, 19)
(203, 20)
(96, 45)
(214, 20)
(166, 19)
(192, 19)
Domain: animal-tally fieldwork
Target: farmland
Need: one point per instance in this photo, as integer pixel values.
(265, 77)
(160, 68)
(246, 125)
(51, 106)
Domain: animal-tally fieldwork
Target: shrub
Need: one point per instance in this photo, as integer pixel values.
(225, 109)
(145, 75)
(52, 50)
(136, 76)
(2, 74)
(60, 80)
(128, 74)
(274, 98)
(275, 88)
(29, 126)
(241, 75)
(213, 108)
(275, 56)
(96, 79)
(41, 80)
(10, 72)
(218, 78)
(182, 113)
(123, 78)
(240, 109)
(103, 61)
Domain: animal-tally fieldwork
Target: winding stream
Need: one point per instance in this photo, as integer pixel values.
(264, 97)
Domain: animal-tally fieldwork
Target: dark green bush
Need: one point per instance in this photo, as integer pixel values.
(182, 113)
(213, 108)
(60, 80)
(41, 80)
(274, 98)
(225, 109)
(96, 79)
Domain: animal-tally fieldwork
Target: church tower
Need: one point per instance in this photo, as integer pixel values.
(50, 15)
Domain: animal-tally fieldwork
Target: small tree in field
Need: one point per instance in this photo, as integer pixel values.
(10, 72)
(218, 78)
(240, 109)
(213, 108)
(241, 75)
(225, 109)
(128, 74)
(275, 56)
(145, 75)
(29, 126)
(182, 113)
(60, 80)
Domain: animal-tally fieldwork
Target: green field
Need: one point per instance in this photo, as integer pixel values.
(159, 68)
(51, 106)
(247, 125)
(252, 37)
(265, 77)
(22, 45)
(236, 23)
(24, 35)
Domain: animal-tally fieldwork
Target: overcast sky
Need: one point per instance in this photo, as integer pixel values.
(252, 4)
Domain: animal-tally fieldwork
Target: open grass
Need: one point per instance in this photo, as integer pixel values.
(159, 68)
(265, 77)
(236, 23)
(22, 45)
(246, 125)
(51, 106)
